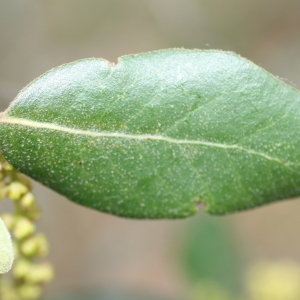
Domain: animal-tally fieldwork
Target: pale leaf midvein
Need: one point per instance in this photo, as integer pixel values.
(146, 137)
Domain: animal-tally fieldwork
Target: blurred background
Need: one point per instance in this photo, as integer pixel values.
(98, 256)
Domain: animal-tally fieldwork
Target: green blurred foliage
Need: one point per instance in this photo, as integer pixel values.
(211, 255)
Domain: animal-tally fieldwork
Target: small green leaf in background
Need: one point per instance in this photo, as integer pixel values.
(158, 133)
(211, 257)
(6, 249)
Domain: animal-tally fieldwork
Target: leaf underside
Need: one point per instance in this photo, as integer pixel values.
(158, 133)
(6, 249)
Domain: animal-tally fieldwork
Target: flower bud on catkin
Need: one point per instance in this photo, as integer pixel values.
(23, 228)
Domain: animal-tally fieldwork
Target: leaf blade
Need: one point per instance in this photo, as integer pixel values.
(158, 133)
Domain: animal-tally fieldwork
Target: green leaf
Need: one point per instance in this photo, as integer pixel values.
(158, 133)
(6, 249)
(211, 255)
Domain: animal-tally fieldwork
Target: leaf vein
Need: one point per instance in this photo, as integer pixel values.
(4, 119)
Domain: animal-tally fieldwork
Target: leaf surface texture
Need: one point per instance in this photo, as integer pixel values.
(158, 133)
(6, 249)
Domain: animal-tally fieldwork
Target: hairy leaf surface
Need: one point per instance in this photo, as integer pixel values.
(158, 133)
(6, 249)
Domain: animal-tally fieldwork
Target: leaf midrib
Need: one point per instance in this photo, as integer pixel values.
(41, 125)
